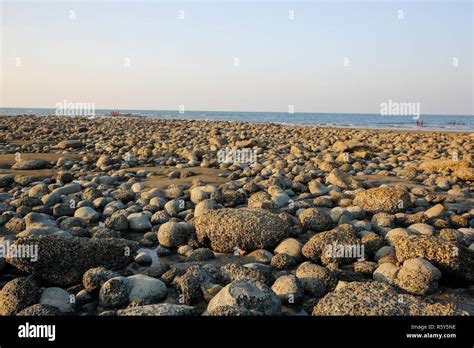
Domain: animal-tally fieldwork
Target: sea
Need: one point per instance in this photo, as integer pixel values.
(463, 123)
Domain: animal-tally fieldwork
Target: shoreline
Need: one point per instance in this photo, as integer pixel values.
(334, 126)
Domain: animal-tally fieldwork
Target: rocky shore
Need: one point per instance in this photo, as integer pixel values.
(133, 216)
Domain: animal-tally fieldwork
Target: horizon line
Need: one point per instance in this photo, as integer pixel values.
(230, 111)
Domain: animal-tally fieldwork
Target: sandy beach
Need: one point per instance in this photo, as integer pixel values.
(141, 216)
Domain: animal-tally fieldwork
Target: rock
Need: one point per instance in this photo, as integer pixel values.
(317, 189)
(200, 254)
(39, 224)
(30, 164)
(385, 253)
(138, 187)
(25, 180)
(421, 228)
(146, 290)
(383, 199)
(154, 192)
(38, 190)
(123, 196)
(435, 212)
(283, 261)
(342, 180)
(260, 256)
(6, 180)
(192, 282)
(102, 232)
(365, 267)
(117, 221)
(87, 214)
(387, 273)
(160, 217)
(325, 246)
(232, 272)
(171, 234)
(115, 293)
(205, 205)
(39, 310)
(174, 207)
(455, 261)
(439, 165)
(395, 233)
(63, 261)
(184, 250)
(289, 289)
(418, 276)
(143, 259)
(69, 144)
(156, 310)
(260, 200)
(465, 174)
(245, 298)
(58, 298)
(316, 220)
(464, 236)
(372, 242)
(139, 222)
(18, 294)
(316, 280)
(15, 225)
(201, 193)
(377, 299)
(290, 246)
(94, 278)
(226, 229)
(63, 210)
(383, 222)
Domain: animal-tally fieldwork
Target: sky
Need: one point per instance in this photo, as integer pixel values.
(317, 56)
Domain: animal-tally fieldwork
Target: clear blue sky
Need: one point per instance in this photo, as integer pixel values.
(283, 62)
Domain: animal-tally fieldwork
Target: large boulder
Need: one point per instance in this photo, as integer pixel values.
(465, 174)
(439, 165)
(18, 294)
(340, 245)
(30, 164)
(63, 261)
(418, 276)
(224, 230)
(453, 260)
(245, 298)
(39, 224)
(377, 298)
(388, 199)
